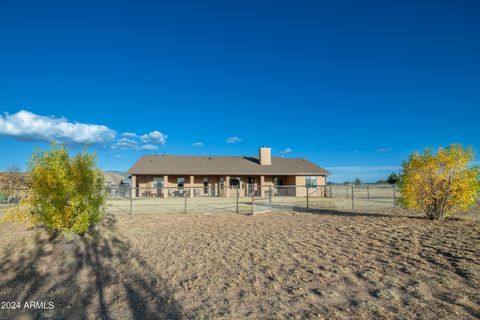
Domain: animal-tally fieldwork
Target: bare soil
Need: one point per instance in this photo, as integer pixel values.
(383, 264)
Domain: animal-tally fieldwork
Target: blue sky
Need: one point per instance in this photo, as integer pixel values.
(353, 86)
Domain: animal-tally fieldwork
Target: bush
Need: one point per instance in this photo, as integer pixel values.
(393, 178)
(67, 194)
(440, 184)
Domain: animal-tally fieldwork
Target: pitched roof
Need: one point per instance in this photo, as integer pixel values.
(223, 165)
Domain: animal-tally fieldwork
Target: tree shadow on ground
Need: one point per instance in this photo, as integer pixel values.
(95, 276)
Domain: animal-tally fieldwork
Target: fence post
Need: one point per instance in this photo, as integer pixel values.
(253, 204)
(185, 197)
(394, 197)
(331, 195)
(353, 204)
(368, 192)
(346, 186)
(308, 199)
(270, 192)
(238, 194)
(131, 199)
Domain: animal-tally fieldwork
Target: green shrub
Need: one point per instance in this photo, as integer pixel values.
(67, 193)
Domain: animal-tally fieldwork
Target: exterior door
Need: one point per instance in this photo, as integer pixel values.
(250, 185)
(278, 182)
(180, 186)
(279, 190)
(158, 184)
(205, 185)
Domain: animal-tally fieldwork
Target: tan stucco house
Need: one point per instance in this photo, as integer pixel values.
(160, 175)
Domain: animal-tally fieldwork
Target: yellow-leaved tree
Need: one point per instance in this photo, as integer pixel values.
(442, 183)
(67, 193)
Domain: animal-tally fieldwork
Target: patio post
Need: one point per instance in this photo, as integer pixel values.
(226, 187)
(165, 186)
(262, 184)
(134, 186)
(192, 185)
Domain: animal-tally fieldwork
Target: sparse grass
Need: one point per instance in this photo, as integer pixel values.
(383, 264)
(4, 207)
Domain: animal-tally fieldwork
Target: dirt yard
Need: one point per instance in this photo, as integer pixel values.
(388, 264)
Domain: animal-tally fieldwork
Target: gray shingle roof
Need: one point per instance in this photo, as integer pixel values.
(223, 165)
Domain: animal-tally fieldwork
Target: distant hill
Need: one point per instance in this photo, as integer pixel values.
(122, 173)
(114, 177)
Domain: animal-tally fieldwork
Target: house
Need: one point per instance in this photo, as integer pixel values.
(169, 175)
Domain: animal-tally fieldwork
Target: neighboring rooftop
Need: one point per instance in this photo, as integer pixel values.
(223, 165)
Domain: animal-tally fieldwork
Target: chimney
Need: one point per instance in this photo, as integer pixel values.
(265, 156)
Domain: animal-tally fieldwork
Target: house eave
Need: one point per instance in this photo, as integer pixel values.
(233, 174)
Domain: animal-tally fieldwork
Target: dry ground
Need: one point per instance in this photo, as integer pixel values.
(388, 264)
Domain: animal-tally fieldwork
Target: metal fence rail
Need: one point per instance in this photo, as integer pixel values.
(122, 199)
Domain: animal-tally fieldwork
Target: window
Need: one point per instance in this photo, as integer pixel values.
(222, 182)
(205, 185)
(311, 182)
(235, 182)
(158, 182)
(181, 182)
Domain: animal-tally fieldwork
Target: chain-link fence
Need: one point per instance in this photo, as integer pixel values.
(259, 199)
(353, 196)
(10, 197)
(122, 199)
(332, 196)
(177, 200)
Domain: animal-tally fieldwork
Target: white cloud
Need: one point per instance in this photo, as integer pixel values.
(125, 145)
(233, 140)
(149, 147)
(129, 135)
(117, 156)
(126, 140)
(132, 141)
(154, 137)
(198, 144)
(382, 150)
(25, 125)
(286, 151)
